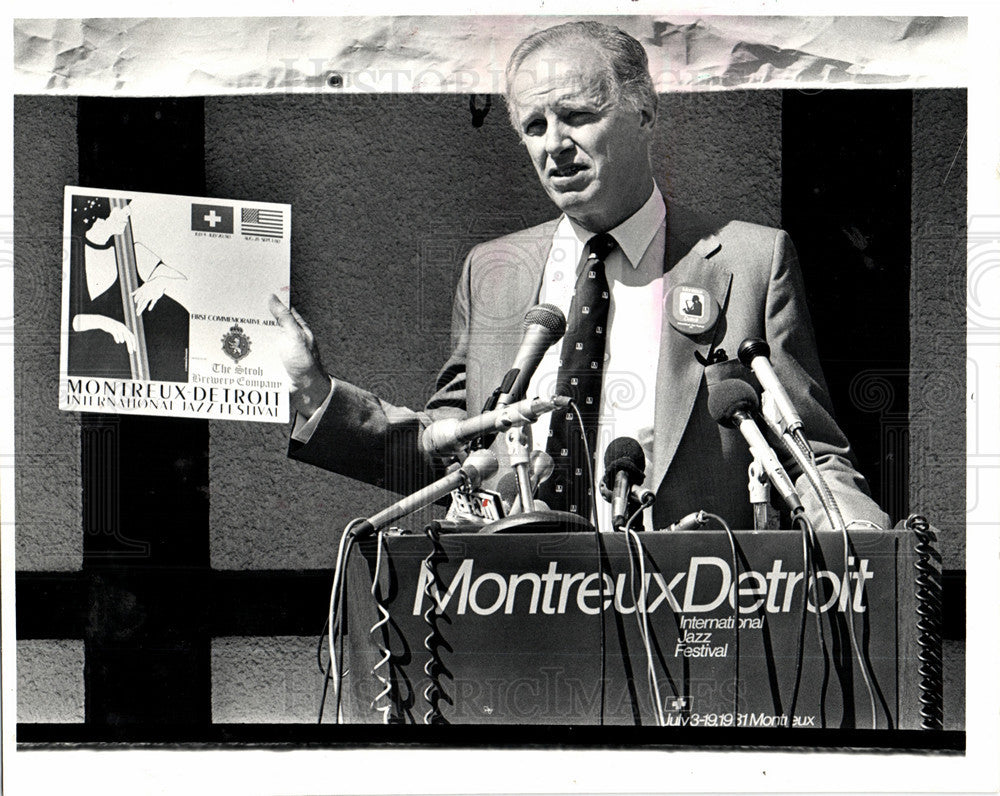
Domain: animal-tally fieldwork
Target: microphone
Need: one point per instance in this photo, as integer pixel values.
(480, 466)
(689, 522)
(754, 353)
(544, 324)
(451, 434)
(540, 469)
(624, 466)
(731, 403)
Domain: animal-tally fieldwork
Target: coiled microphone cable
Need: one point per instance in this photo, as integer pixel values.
(928, 591)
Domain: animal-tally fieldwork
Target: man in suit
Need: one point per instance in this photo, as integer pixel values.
(582, 101)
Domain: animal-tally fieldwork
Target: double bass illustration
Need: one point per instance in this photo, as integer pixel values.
(123, 322)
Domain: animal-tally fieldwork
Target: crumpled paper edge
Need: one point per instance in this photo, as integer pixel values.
(447, 54)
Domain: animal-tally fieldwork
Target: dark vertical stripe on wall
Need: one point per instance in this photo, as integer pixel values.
(846, 203)
(145, 480)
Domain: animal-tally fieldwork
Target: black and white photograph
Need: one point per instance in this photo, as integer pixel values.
(621, 383)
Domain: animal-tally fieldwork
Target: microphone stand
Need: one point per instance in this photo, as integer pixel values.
(759, 487)
(519, 449)
(798, 447)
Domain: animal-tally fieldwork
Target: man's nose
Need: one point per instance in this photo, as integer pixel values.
(557, 138)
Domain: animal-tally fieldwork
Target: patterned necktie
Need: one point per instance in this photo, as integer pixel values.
(581, 371)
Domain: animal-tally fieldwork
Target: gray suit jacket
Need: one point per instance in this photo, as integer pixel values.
(753, 274)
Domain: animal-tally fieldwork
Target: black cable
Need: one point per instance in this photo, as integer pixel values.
(322, 700)
(814, 571)
(928, 593)
(341, 610)
(380, 624)
(651, 682)
(592, 488)
(600, 558)
(862, 662)
(319, 648)
(332, 626)
(736, 609)
(600, 614)
(803, 523)
(642, 618)
(325, 668)
(433, 692)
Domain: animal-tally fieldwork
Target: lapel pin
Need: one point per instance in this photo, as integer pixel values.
(691, 309)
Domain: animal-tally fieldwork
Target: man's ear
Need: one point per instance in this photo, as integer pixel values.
(647, 118)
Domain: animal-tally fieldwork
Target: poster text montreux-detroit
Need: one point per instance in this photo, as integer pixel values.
(704, 586)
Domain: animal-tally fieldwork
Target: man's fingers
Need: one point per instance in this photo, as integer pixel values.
(302, 323)
(288, 318)
(297, 348)
(275, 306)
(281, 314)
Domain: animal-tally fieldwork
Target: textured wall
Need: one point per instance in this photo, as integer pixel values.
(271, 680)
(47, 441)
(50, 681)
(938, 320)
(388, 192)
(721, 153)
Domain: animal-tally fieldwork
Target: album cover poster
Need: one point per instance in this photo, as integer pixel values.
(164, 305)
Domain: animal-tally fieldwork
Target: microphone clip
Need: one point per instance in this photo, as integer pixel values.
(638, 498)
(713, 358)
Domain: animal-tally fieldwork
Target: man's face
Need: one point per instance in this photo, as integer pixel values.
(591, 151)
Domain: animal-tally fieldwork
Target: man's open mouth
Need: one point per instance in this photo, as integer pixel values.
(569, 170)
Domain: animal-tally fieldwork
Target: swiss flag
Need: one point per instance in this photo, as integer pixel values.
(211, 218)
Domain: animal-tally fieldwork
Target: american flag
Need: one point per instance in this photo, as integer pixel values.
(257, 221)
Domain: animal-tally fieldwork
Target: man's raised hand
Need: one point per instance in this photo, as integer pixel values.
(300, 356)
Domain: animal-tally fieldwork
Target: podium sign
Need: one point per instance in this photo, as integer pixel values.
(515, 629)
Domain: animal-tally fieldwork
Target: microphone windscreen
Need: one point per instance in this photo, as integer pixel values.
(547, 315)
(727, 397)
(480, 466)
(542, 467)
(506, 487)
(624, 453)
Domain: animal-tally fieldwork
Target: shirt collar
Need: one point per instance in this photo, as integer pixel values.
(634, 234)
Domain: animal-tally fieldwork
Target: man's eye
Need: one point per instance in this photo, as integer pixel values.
(535, 127)
(579, 117)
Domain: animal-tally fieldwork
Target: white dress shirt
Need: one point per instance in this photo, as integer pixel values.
(632, 352)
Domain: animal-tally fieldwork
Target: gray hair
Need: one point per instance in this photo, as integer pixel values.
(626, 62)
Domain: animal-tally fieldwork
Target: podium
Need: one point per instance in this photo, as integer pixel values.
(514, 629)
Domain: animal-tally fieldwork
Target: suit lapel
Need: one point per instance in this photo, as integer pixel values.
(536, 258)
(524, 256)
(691, 247)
